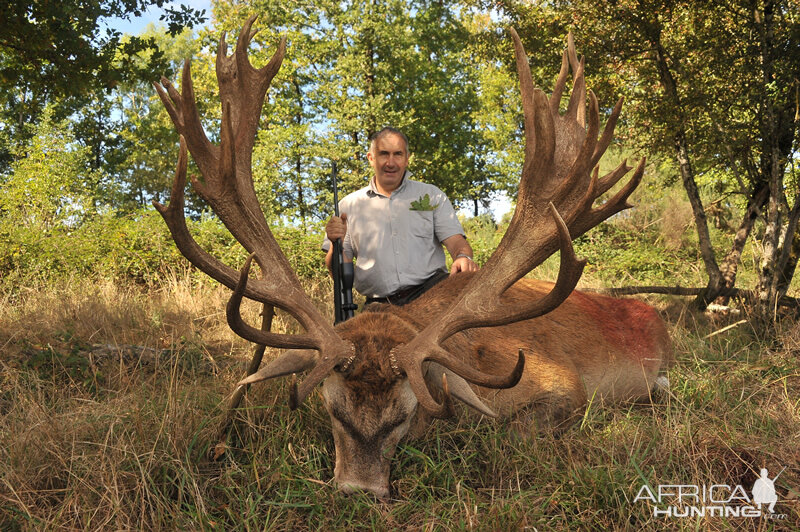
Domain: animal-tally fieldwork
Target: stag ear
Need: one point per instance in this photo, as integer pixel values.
(457, 387)
(292, 361)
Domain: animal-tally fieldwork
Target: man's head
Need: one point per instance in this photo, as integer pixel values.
(388, 156)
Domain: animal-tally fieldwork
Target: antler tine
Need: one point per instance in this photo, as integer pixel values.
(176, 222)
(410, 359)
(236, 75)
(583, 162)
(613, 177)
(576, 109)
(202, 150)
(571, 52)
(557, 178)
(171, 100)
(238, 325)
(561, 84)
(608, 133)
(526, 90)
(570, 271)
(324, 367)
(416, 381)
(614, 205)
(579, 84)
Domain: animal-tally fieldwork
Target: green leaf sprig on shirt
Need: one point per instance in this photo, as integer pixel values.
(423, 204)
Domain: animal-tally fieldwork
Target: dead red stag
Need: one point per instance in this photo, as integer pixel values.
(499, 344)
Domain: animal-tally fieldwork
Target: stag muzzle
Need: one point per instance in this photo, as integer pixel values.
(378, 487)
(359, 469)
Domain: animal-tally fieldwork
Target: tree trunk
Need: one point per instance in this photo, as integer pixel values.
(301, 200)
(789, 265)
(771, 168)
(687, 173)
(298, 164)
(730, 264)
(369, 77)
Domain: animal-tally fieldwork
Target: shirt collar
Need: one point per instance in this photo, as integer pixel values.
(373, 191)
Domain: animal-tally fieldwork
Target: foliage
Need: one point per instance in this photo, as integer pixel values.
(59, 52)
(352, 68)
(135, 247)
(483, 235)
(147, 141)
(51, 186)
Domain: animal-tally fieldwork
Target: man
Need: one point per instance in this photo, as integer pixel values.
(395, 228)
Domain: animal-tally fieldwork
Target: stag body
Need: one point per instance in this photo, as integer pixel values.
(387, 370)
(590, 346)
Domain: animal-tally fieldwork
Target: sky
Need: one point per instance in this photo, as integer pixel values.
(136, 25)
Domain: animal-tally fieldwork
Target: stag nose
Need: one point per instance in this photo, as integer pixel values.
(352, 486)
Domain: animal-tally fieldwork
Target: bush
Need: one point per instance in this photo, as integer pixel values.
(136, 247)
(483, 234)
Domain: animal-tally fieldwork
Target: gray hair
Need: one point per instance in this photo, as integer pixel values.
(388, 130)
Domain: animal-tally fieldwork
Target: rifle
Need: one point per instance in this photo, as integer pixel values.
(342, 271)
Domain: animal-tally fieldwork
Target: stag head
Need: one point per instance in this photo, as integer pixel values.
(378, 369)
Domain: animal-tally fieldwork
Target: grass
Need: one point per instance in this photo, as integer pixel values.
(110, 400)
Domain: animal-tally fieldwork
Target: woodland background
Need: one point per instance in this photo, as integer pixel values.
(115, 354)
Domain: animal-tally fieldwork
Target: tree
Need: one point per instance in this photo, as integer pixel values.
(713, 84)
(50, 186)
(143, 141)
(57, 52)
(352, 68)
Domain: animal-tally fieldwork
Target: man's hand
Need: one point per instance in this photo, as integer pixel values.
(463, 264)
(336, 227)
(461, 252)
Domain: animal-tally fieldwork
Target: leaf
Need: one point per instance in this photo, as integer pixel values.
(219, 450)
(423, 204)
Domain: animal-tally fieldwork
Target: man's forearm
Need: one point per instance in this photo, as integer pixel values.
(329, 260)
(463, 250)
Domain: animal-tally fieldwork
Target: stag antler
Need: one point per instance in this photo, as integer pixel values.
(556, 194)
(228, 188)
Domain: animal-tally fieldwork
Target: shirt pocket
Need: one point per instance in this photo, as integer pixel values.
(420, 224)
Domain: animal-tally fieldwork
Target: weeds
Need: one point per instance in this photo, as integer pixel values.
(111, 399)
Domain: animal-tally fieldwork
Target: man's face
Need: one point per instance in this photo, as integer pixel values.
(389, 158)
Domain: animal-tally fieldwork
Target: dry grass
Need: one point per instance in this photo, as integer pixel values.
(100, 438)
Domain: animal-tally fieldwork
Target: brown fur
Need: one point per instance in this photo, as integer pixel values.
(609, 348)
(590, 346)
(374, 334)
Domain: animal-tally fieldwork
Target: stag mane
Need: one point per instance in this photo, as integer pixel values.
(372, 370)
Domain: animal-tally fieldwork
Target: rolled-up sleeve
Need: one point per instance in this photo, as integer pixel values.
(445, 220)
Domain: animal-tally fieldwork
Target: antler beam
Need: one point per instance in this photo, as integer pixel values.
(228, 187)
(555, 204)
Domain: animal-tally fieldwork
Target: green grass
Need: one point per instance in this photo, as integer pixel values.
(111, 399)
(99, 438)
